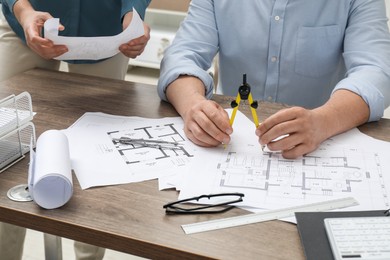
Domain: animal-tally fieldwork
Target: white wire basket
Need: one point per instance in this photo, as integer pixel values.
(17, 132)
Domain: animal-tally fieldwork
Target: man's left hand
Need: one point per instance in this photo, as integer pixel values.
(135, 47)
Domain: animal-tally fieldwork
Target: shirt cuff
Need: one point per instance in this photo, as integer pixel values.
(172, 75)
(139, 5)
(369, 90)
(9, 4)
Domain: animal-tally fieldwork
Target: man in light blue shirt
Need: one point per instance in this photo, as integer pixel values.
(328, 58)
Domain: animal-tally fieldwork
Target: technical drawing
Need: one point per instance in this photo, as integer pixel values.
(139, 154)
(314, 176)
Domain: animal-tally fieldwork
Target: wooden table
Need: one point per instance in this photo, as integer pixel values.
(130, 217)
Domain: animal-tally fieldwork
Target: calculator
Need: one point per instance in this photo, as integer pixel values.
(359, 237)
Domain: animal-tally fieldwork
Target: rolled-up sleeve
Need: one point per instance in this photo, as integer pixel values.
(367, 56)
(193, 49)
(9, 4)
(139, 5)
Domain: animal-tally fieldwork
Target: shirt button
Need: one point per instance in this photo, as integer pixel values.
(277, 18)
(274, 58)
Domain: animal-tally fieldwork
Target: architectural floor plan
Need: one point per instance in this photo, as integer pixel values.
(140, 154)
(100, 157)
(317, 175)
(348, 165)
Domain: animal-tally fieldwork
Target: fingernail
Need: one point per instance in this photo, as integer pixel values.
(229, 131)
(225, 141)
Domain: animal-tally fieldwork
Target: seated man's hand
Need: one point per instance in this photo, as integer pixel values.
(303, 131)
(207, 124)
(306, 129)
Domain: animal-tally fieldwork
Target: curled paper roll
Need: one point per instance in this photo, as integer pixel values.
(50, 175)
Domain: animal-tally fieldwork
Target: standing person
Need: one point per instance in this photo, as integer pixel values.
(329, 59)
(22, 48)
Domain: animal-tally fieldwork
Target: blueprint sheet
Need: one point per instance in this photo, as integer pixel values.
(349, 165)
(99, 160)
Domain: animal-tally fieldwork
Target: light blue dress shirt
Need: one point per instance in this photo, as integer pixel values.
(86, 18)
(293, 51)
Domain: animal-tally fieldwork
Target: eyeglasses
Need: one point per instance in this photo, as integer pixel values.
(204, 204)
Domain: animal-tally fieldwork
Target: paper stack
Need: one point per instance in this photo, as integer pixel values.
(17, 131)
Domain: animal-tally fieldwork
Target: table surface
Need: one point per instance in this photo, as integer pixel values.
(130, 217)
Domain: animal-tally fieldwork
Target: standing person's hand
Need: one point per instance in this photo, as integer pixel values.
(32, 23)
(135, 47)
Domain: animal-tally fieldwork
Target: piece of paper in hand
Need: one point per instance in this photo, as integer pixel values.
(93, 48)
(50, 175)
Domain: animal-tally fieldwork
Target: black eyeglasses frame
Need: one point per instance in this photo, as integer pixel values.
(172, 208)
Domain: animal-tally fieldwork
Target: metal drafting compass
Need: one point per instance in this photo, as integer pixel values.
(244, 93)
(159, 144)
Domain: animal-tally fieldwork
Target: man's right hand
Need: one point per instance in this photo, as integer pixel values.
(206, 122)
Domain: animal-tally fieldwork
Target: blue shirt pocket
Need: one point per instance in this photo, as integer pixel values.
(318, 50)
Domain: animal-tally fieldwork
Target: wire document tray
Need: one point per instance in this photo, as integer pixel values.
(16, 130)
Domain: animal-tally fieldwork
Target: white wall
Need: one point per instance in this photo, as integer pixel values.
(387, 111)
(387, 7)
